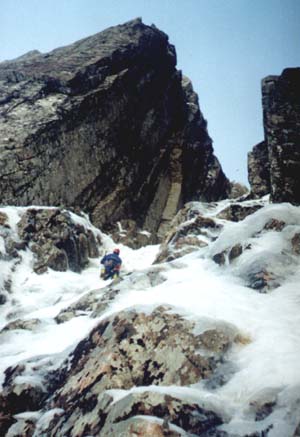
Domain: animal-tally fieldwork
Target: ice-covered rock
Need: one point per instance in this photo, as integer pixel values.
(58, 242)
(174, 348)
(137, 349)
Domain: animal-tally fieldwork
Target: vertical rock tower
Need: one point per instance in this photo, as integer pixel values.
(274, 165)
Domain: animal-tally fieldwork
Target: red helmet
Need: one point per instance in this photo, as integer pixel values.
(117, 251)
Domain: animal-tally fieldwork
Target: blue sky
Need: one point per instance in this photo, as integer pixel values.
(225, 46)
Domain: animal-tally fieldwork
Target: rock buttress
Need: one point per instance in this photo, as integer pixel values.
(106, 124)
(277, 165)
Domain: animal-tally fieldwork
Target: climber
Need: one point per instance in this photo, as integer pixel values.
(112, 265)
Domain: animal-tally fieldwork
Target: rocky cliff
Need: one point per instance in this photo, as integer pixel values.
(107, 124)
(274, 164)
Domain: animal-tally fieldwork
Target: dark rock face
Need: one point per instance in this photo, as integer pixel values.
(106, 124)
(274, 165)
(203, 177)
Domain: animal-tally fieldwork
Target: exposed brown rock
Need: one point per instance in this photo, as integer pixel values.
(232, 253)
(274, 224)
(262, 280)
(296, 243)
(3, 219)
(235, 252)
(124, 336)
(6, 419)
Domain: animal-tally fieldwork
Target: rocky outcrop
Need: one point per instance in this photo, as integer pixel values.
(236, 212)
(56, 240)
(238, 191)
(274, 164)
(50, 237)
(120, 341)
(30, 324)
(19, 397)
(127, 416)
(128, 350)
(135, 349)
(128, 233)
(259, 170)
(106, 124)
(296, 243)
(189, 231)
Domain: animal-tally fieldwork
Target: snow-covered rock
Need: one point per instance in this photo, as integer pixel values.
(110, 362)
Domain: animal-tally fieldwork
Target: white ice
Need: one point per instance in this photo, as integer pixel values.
(199, 289)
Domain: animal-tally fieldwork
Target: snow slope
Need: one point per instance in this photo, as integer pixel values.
(199, 289)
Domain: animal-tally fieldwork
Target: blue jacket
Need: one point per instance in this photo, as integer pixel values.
(111, 261)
